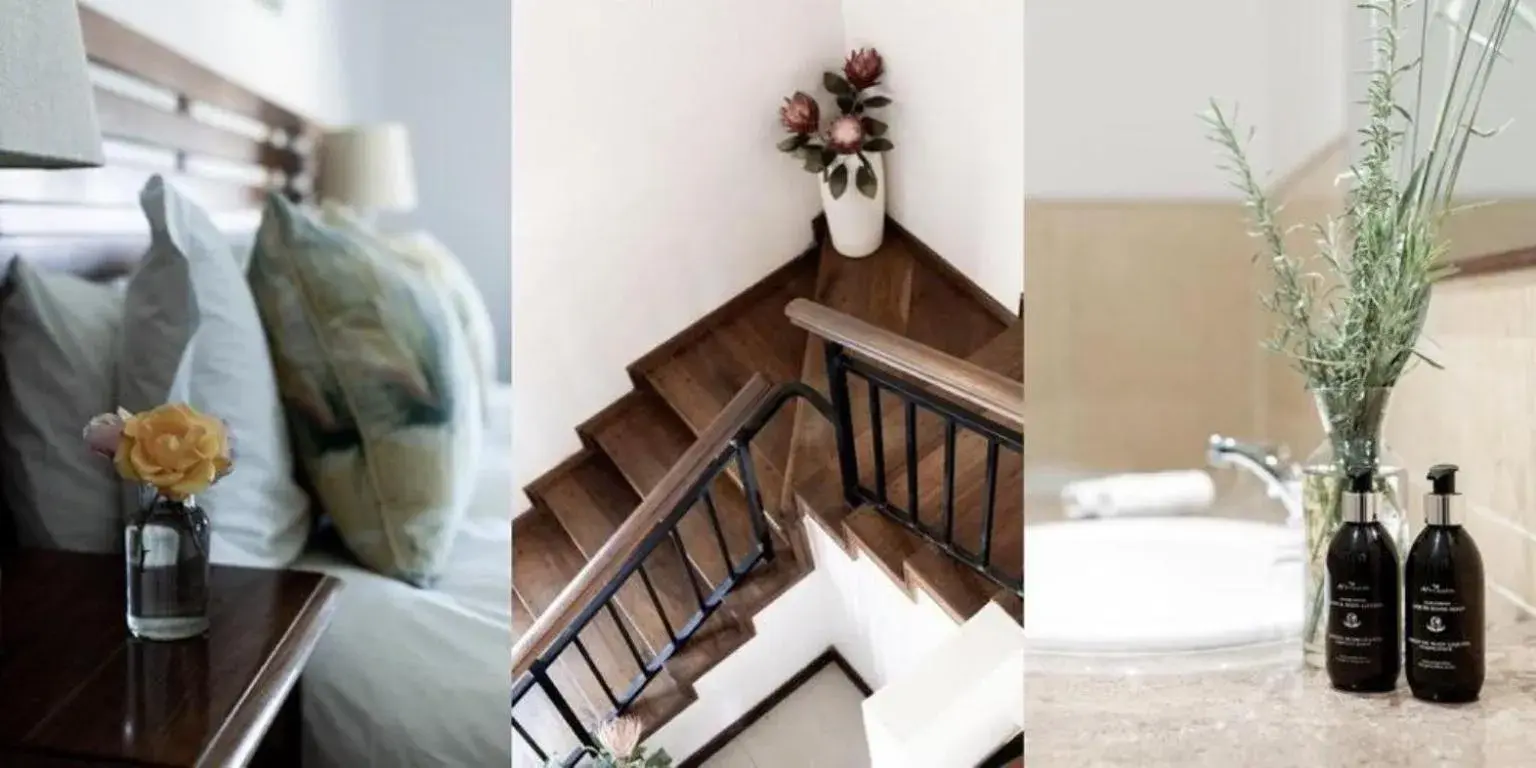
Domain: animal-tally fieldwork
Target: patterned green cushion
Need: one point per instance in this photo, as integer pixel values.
(379, 386)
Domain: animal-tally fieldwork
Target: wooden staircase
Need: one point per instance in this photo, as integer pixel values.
(680, 388)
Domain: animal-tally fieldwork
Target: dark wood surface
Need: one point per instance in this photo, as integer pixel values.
(76, 690)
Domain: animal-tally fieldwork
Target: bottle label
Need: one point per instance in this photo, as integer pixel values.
(1355, 624)
(1437, 633)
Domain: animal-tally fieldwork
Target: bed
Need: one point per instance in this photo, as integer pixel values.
(404, 676)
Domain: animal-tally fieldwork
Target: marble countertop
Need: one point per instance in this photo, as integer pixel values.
(1282, 716)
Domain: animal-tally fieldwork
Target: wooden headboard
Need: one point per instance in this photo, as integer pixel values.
(215, 140)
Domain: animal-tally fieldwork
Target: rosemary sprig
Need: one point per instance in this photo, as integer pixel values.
(1350, 314)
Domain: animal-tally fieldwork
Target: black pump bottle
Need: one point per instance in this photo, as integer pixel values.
(1363, 617)
(1444, 580)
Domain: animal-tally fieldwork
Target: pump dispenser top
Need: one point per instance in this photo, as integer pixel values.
(1440, 504)
(1360, 496)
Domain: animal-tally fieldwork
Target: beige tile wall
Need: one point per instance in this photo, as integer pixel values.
(1480, 413)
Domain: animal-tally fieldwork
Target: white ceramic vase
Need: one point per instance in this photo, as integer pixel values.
(856, 222)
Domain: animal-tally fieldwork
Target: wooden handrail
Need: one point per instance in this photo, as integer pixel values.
(966, 381)
(626, 541)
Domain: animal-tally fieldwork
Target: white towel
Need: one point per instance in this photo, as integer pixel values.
(1151, 493)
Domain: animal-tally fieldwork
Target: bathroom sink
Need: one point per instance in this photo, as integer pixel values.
(1169, 585)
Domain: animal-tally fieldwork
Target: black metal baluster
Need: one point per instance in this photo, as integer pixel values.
(682, 554)
(527, 739)
(988, 504)
(714, 519)
(877, 428)
(755, 498)
(645, 578)
(562, 707)
(597, 673)
(837, 385)
(949, 482)
(628, 640)
(911, 419)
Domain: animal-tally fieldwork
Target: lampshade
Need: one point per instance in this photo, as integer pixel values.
(47, 110)
(368, 167)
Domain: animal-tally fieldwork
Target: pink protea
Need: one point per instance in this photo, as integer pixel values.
(863, 68)
(800, 113)
(846, 135)
(621, 736)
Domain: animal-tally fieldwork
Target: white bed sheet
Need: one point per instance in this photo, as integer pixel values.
(415, 678)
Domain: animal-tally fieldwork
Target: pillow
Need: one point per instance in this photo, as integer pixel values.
(426, 254)
(379, 387)
(191, 334)
(57, 333)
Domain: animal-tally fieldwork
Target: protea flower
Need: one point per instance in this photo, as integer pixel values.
(621, 736)
(800, 113)
(863, 68)
(846, 135)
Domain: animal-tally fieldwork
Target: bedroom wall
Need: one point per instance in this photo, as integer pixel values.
(647, 188)
(444, 70)
(300, 58)
(956, 73)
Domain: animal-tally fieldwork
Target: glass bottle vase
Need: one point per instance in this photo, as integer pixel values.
(166, 551)
(1352, 423)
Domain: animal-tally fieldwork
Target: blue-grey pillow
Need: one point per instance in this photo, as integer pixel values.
(380, 389)
(192, 334)
(57, 337)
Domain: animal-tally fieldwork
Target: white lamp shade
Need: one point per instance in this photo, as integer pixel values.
(368, 168)
(47, 108)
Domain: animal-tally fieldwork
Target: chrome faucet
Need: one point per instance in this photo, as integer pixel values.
(1281, 477)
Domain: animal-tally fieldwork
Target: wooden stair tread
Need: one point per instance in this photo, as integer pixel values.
(876, 289)
(699, 381)
(960, 591)
(1004, 354)
(970, 496)
(544, 560)
(591, 502)
(944, 317)
(886, 542)
(645, 439)
(545, 726)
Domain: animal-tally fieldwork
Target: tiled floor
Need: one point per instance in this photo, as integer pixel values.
(820, 725)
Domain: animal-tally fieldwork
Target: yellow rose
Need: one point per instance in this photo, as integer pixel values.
(174, 448)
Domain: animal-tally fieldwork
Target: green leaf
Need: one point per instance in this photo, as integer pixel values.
(838, 182)
(814, 162)
(792, 143)
(874, 127)
(878, 145)
(875, 102)
(845, 103)
(836, 84)
(828, 154)
(866, 182)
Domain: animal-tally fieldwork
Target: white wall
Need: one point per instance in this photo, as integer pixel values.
(956, 73)
(299, 58)
(445, 70)
(646, 188)
(1500, 167)
(1125, 123)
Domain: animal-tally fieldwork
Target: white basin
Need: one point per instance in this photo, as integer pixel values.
(1160, 585)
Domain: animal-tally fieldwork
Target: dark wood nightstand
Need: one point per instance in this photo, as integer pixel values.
(75, 690)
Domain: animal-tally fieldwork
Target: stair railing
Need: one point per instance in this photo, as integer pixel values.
(963, 395)
(724, 444)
